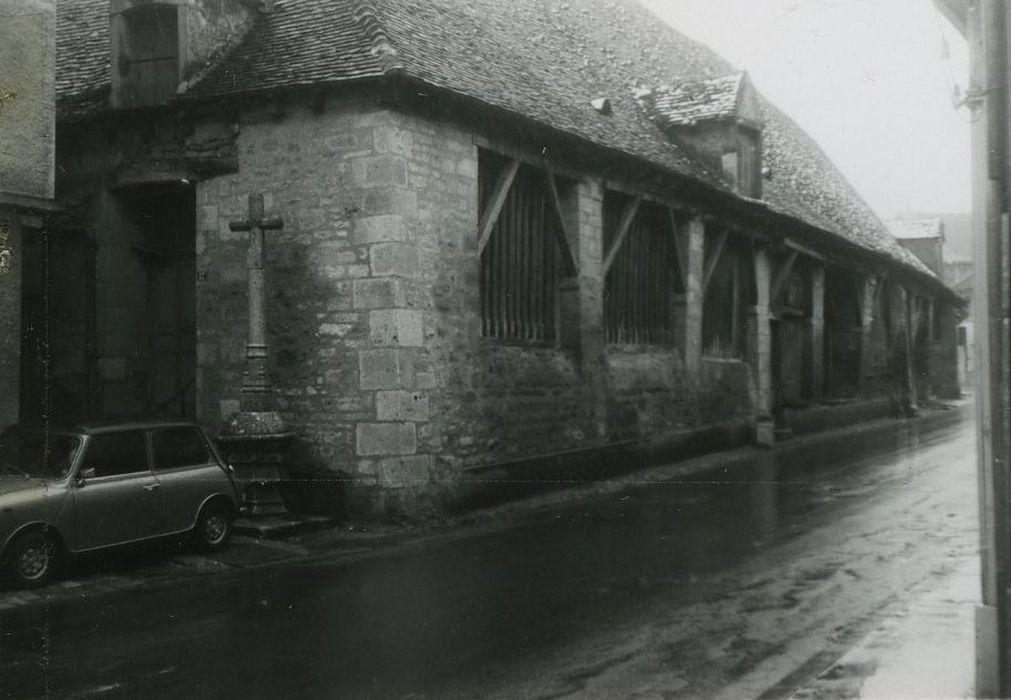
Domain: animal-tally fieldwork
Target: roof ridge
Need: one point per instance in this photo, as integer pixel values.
(366, 14)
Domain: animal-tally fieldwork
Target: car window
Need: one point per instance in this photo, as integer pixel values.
(179, 447)
(111, 454)
(37, 454)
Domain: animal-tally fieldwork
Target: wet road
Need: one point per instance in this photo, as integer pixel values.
(734, 583)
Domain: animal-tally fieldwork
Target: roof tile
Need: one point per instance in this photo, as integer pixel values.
(544, 61)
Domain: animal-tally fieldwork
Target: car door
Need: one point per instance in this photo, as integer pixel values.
(114, 491)
(188, 475)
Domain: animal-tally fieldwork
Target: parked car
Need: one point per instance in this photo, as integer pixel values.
(64, 492)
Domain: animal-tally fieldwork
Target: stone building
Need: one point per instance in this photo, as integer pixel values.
(924, 238)
(511, 231)
(27, 168)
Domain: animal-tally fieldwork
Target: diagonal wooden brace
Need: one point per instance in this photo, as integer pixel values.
(624, 226)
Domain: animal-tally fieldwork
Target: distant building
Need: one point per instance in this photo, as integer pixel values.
(960, 275)
(924, 238)
(511, 230)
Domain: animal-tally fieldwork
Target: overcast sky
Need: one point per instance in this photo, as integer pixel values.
(866, 78)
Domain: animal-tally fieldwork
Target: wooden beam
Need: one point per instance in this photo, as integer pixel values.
(781, 276)
(714, 259)
(494, 207)
(529, 155)
(561, 233)
(679, 255)
(790, 243)
(624, 226)
(879, 283)
(915, 312)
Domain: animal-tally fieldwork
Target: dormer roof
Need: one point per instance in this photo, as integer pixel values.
(727, 97)
(917, 229)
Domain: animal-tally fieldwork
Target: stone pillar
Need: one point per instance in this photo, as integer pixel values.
(390, 405)
(817, 332)
(693, 262)
(10, 319)
(588, 232)
(867, 326)
(908, 371)
(576, 318)
(761, 350)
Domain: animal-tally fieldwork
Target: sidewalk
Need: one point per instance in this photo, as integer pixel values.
(921, 649)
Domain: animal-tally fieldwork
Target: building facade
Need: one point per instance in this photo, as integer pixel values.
(27, 169)
(984, 24)
(505, 237)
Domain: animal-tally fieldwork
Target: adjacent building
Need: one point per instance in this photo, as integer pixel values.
(510, 231)
(984, 23)
(27, 170)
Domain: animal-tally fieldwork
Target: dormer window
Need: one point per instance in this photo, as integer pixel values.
(748, 168)
(722, 119)
(145, 65)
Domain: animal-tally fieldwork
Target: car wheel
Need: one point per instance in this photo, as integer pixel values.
(214, 526)
(32, 558)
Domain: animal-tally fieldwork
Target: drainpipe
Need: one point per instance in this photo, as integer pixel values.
(993, 623)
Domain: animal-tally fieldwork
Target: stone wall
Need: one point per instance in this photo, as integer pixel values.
(10, 318)
(27, 97)
(347, 335)
(374, 311)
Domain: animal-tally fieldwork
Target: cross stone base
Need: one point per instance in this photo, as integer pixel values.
(256, 445)
(765, 431)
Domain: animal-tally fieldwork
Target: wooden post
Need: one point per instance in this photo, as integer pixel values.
(694, 294)
(761, 360)
(817, 332)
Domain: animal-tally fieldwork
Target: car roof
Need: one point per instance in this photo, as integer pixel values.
(141, 424)
(111, 426)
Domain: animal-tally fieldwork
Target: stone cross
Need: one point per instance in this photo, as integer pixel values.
(256, 385)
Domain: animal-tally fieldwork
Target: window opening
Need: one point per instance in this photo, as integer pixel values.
(520, 263)
(179, 447)
(643, 279)
(149, 55)
(728, 296)
(114, 454)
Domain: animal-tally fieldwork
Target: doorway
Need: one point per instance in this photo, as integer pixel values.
(165, 220)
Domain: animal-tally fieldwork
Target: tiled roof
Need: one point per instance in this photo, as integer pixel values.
(302, 42)
(916, 228)
(82, 56)
(698, 101)
(544, 61)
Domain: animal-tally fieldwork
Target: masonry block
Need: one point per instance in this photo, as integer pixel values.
(376, 439)
(380, 229)
(349, 141)
(402, 406)
(389, 139)
(390, 200)
(398, 472)
(383, 293)
(379, 369)
(395, 259)
(382, 170)
(396, 328)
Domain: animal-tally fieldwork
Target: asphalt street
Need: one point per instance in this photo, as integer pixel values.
(739, 582)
